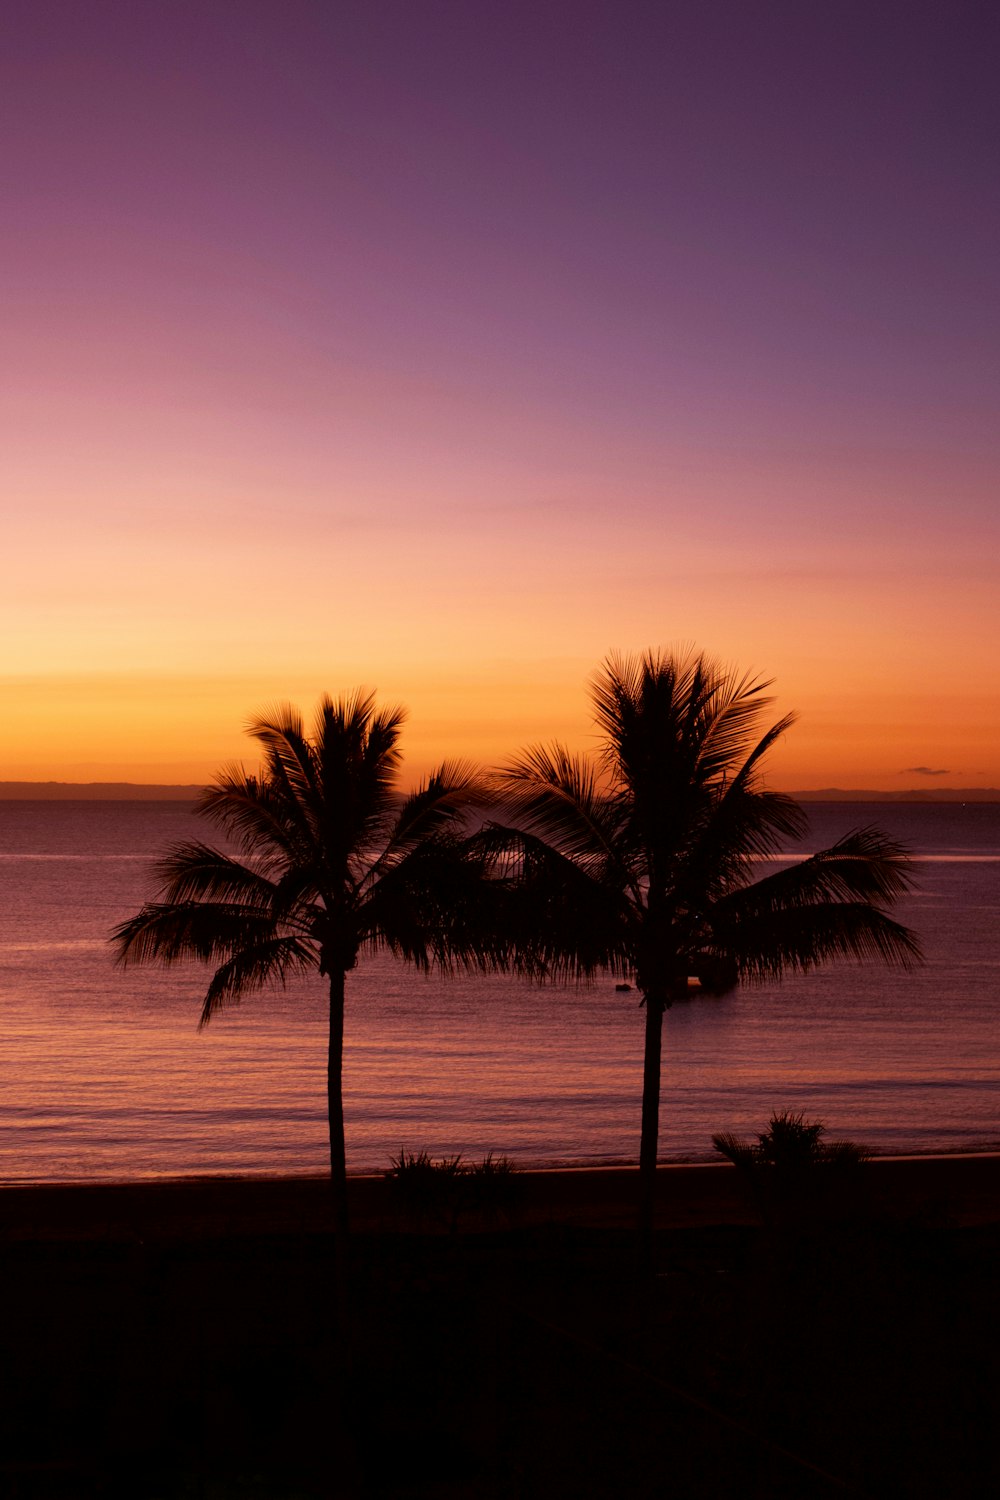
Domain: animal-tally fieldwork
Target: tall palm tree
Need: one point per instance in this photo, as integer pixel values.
(641, 861)
(331, 862)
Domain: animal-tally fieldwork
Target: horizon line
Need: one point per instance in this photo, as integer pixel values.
(152, 791)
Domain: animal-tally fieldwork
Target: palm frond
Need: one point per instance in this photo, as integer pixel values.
(566, 919)
(382, 755)
(195, 871)
(797, 939)
(742, 827)
(251, 812)
(743, 1154)
(292, 770)
(440, 805)
(256, 966)
(746, 778)
(672, 728)
(438, 904)
(169, 932)
(672, 723)
(359, 748)
(359, 759)
(727, 723)
(864, 865)
(555, 795)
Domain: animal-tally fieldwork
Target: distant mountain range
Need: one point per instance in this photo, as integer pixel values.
(134, 791)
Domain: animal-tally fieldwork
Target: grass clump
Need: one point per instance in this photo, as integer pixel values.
(437, 1192)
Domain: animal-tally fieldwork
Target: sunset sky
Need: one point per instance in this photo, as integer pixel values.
(445, 347)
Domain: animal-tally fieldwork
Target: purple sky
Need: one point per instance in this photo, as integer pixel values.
(445, 347)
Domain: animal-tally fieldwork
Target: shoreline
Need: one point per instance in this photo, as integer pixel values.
(956, 1189)
(958, 1153)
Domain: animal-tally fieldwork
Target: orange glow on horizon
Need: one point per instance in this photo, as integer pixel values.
(365, 354)
(182, 730)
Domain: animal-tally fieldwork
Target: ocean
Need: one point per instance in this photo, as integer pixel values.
(105, 1075)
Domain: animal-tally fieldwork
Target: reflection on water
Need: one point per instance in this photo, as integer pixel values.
(107, 1075)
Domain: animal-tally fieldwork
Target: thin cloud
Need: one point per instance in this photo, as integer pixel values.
(925, 771)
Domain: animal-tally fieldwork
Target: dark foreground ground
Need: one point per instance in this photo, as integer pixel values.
(185, 1342)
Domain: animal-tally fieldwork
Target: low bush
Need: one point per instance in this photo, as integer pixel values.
(793, 1173)
(429, 1191)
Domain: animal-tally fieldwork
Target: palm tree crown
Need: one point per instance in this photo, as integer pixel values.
(329, 861)
(641, 860)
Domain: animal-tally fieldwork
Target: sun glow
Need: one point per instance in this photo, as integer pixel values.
(410, 364)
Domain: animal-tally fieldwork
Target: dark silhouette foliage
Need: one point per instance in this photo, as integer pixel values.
(793, 1173)
(438, 1193)
(331, 862)
(649, 859)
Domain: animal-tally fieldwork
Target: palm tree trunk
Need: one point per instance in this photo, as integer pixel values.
(343, 1389)
(335, 1102)
(649, 1138)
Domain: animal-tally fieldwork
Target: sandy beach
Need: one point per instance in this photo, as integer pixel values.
(958, 1189)
(182, 1339)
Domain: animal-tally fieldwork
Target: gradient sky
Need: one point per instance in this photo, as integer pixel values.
(445, 347)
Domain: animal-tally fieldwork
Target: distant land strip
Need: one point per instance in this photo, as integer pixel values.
(916, 794)
(96, 791)
(137, 791)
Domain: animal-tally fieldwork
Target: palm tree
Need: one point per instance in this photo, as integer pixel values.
(641, 861)
(331, 862)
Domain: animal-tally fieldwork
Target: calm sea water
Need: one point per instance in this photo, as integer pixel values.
(106, 1076)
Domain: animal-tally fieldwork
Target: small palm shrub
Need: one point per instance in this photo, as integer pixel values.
(793, 1173)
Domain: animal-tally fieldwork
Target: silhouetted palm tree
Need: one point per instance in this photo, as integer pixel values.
(641, 862)
(332, 862)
